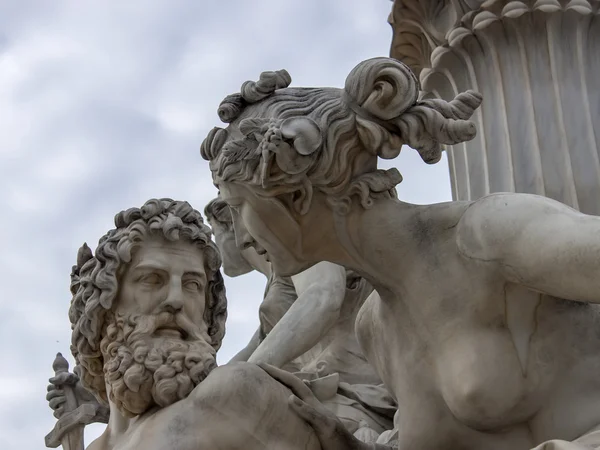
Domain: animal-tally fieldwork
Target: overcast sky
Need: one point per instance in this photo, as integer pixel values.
(103, 105)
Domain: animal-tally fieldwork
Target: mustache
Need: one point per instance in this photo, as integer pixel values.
(144, 325)
(142, 372)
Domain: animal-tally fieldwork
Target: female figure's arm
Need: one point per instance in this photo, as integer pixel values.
(321, 290)
(535, 242)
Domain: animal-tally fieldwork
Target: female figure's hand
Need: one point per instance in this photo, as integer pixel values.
(332, 434)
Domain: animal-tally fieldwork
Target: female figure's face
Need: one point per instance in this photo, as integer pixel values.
(234, 263)
(265, 224)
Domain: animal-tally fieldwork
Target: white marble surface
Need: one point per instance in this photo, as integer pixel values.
(536, 64)
(483, 323)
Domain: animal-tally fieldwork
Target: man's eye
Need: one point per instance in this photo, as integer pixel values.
(192, 285)
(151, 279)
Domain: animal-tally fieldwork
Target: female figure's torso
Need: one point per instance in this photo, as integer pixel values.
(473, 359)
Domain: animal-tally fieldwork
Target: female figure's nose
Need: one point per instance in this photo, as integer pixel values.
(243, 239)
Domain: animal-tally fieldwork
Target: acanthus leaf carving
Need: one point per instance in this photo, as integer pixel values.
(425, 30)
(420, 26)
(514, 9)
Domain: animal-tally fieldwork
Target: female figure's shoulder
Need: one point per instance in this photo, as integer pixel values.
(492, 225)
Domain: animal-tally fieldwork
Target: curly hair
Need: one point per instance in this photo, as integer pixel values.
(218, 211)
(282, 138)
(95, 278)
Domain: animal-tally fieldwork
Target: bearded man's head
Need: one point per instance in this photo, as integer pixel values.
(149, 308)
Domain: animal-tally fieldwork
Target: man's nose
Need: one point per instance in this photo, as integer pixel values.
(173, 303)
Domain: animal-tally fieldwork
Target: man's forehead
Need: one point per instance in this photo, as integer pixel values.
(164, 254)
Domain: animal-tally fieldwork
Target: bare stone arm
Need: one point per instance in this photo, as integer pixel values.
(536, 242)
(321, 290)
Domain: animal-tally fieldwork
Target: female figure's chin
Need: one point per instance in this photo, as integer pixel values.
(289, 268)
(282, 269)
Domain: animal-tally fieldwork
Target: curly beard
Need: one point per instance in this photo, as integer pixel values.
(144, 370)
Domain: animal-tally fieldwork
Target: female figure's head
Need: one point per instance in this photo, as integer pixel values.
(236, 260)
(286, 146)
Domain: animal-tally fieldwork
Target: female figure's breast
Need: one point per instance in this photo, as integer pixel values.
(480, 378)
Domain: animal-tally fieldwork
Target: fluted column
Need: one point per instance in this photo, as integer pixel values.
(537, 64)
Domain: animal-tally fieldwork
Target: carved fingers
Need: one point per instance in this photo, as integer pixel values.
(56, 396)
(64, 378)
(56, 400)
(321, 423)
(291, 381)
(332, 434)
(329, 429)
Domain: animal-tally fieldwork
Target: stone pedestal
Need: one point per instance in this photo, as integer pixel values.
(537, 64)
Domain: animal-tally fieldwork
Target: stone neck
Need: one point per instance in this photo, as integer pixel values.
(117, 424)
(374, 240)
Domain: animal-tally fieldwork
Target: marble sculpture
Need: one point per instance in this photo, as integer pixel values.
(479, 317)
(483, 320)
